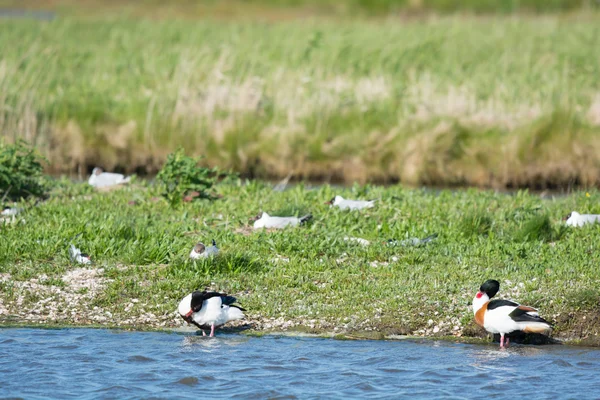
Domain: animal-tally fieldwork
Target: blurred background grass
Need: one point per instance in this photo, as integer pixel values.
(444, 92)
(301, 8)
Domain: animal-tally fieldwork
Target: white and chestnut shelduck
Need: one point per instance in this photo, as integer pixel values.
(505, 316)
(343, 204)
(201, 251)
(209, 310)
(264, 220)
(576, 219)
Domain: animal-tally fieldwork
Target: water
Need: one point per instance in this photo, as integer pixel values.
(92, 363)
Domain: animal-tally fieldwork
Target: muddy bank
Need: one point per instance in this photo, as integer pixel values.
(36, 303)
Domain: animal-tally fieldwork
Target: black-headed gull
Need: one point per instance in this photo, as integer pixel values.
(361, 241)
(9, 215)
(11, 211)
(201, 251)
(576, 219)
(264, 220)
(209, 309)
(99, 178)
(412, 241)
(505, 316)
(79, 257)
(343, 204)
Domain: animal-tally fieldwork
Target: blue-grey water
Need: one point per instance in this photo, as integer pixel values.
(95, 363)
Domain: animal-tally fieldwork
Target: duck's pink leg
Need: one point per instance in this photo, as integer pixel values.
(506, 342)
(212, 330)
(203, 333)
(502, 340)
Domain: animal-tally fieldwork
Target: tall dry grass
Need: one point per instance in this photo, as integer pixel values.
(492, 101)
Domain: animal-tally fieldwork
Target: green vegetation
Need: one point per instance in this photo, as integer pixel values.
(458, 100)
(308, 276)
(20, 172)
(182, 178)
(285, 9)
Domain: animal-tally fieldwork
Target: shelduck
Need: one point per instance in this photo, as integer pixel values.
(505, 316)
(209, 309)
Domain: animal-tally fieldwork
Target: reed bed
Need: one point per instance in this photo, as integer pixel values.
(501, 101)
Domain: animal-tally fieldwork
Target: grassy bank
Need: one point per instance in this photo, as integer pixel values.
(307, 278)
(489, 101)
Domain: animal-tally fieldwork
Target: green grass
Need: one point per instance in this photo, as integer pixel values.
(489, 101)
(285, 9)
(143, 249)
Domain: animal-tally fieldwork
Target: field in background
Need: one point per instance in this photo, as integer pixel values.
(456, 100)
(292, 9)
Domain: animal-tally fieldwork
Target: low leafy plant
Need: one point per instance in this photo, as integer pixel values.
(182, 178)
(21, 172)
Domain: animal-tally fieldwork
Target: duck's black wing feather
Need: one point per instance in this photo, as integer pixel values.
(501, 303)
(198, 298)
(229, 300)
(522, 314)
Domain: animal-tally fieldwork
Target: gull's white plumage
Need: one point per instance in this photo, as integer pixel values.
(361, 241)
(11, 211)
(412, 241)
(576, 219)
(9, 215)
(268, 221)
(79, 257)
(201, 251)
(344, 204)
(101, 179)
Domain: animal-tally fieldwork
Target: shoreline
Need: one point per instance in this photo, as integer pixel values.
(359, 335)
(45, 317)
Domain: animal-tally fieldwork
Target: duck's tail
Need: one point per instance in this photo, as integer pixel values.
(536, 327)
(234, 312)
(528, 320)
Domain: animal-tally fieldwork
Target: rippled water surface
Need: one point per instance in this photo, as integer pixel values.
(93, 363)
